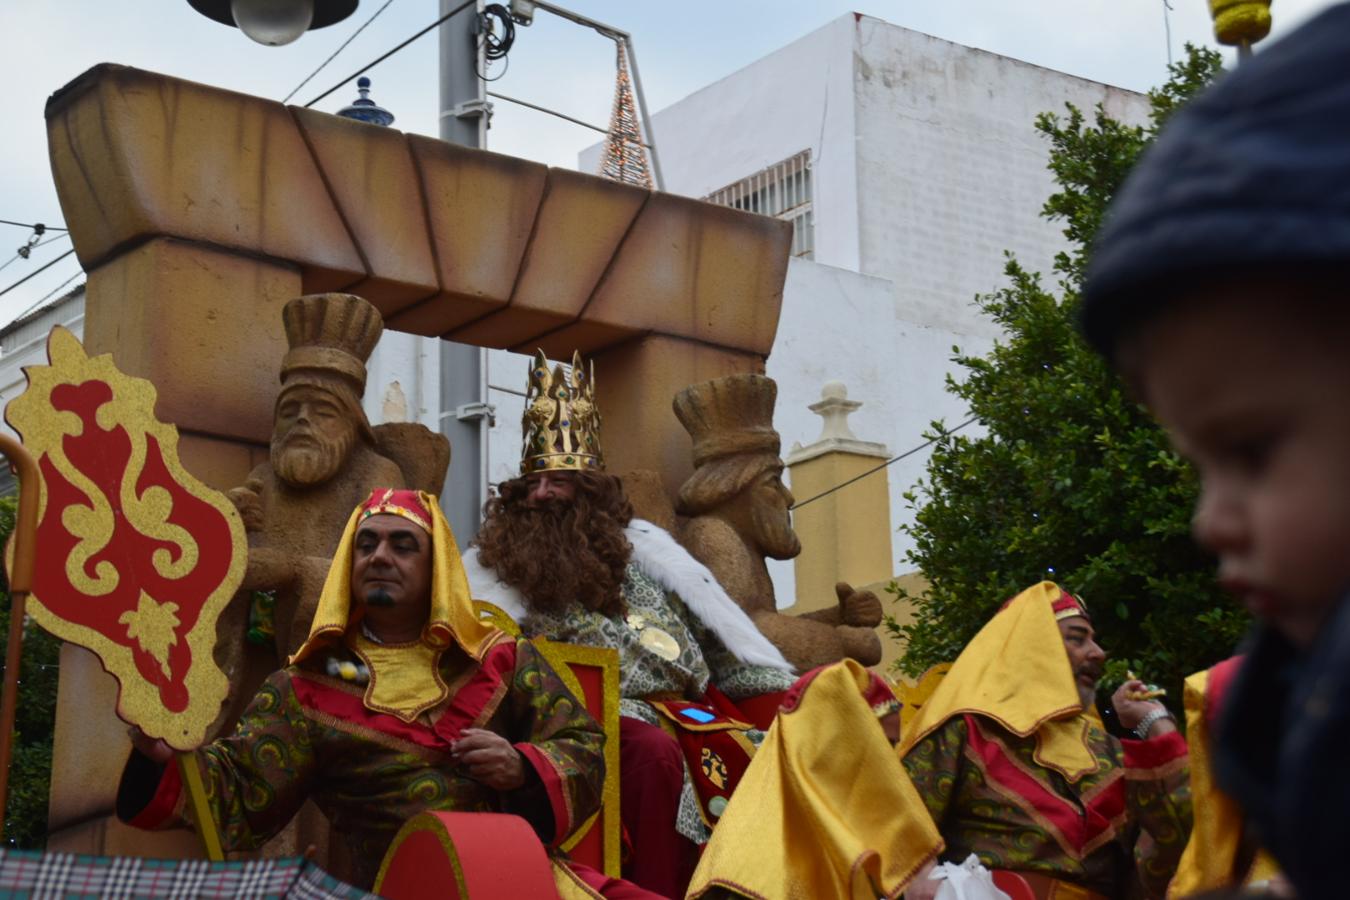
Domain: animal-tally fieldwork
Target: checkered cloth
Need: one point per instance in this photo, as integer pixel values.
(66, 876)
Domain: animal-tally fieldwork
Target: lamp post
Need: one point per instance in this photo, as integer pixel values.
(275, 22)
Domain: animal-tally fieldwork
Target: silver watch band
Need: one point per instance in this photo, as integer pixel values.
(1141, 730)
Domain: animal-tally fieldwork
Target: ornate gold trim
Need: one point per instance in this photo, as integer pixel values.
(415, 825)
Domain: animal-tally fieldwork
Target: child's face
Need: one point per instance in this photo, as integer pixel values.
(1252, 383)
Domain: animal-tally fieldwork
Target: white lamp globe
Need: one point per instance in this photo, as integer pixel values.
(273, 22)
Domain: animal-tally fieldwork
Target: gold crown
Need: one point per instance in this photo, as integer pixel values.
(330, 332)
(561, 425)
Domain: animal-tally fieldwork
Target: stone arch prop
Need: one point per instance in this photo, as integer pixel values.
(198, 212)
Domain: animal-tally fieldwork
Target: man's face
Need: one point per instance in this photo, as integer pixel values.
(1253, 386)
(548, 487)
(1086, 658)
(770, 502)
(311, 435)
(391, 566)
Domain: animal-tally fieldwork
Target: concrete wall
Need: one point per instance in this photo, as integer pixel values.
(839, 325)
(951, 170)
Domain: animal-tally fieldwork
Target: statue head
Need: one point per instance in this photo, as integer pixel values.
(318, 416)
(737, 470)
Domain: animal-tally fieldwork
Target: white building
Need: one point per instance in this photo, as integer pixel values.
(910, 164)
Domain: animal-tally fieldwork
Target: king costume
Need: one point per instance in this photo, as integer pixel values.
(1014, 770)
(365, 728)
(688, 653)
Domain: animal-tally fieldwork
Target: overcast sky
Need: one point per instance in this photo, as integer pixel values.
(681, 46)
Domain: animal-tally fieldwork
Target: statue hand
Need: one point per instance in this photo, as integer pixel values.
(490, 758)
(860, 608)
(268, 569)
(249, 504)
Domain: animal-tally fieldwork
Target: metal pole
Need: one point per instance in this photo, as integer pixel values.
(617, 34)
(20, 584)
(464, 120)
(646, 120)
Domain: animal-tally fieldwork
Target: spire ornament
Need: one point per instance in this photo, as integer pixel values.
(625, 157)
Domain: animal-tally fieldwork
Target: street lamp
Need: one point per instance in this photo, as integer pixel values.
(275, 22)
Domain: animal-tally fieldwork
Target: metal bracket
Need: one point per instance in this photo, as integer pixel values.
(470, 109)
(469, 412)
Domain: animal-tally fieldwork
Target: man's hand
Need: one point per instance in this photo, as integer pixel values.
(1132, 712)
(923, 887)
(153, 749)
(490, 758)
(861, 608)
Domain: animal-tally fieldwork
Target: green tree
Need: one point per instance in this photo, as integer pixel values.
(1072, 481)
(31, 770)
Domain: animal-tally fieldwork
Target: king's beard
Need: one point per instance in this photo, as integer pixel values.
(303, 459)
(543, 551)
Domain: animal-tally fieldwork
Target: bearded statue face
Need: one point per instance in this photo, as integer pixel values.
(312, 435)
(770, 503)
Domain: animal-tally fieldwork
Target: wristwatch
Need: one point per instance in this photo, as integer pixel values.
(1147, 722)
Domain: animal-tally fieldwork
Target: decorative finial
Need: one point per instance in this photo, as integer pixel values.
(364, 109)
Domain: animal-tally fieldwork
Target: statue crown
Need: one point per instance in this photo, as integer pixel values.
(332, 332)
(561, 425)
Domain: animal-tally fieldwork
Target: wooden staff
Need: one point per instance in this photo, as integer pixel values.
(20, 584)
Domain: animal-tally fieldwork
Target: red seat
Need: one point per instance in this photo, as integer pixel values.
(1013, 884)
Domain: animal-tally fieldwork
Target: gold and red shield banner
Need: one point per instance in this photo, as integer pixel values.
(135, 558)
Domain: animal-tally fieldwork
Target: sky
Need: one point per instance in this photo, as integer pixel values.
(680, 45)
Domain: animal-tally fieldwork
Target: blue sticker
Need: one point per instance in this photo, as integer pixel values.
(697, 715)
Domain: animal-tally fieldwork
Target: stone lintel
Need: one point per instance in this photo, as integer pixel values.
(444, 240)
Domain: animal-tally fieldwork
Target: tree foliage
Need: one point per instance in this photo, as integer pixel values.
(35, 717)
(1073, 481)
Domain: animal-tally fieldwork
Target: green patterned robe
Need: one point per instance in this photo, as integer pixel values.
(703, 659)
(308, 735)
(1118, 830)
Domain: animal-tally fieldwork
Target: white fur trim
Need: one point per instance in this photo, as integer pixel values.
(670, 565)
(676, 570)
(485, 585)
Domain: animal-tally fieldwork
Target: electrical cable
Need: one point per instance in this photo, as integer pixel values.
(21, 255)
(894, 459)
(37, 226)
(324, 64)
(370, 65)
(48, 295)
(494, 47)
(37, 272)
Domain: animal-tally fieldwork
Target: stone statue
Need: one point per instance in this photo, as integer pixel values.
(738, 509)
(325, 457)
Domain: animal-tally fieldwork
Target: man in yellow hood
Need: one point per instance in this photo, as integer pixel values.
(400, 701)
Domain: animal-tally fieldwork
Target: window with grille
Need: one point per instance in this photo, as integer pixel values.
(783, 191)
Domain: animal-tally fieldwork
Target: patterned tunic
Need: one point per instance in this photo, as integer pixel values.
(702, 659)
(1118, 827)
(308, 735)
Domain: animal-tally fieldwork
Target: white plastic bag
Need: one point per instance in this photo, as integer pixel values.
(968, 881)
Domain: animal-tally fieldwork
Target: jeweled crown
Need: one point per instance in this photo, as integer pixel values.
(561, 425)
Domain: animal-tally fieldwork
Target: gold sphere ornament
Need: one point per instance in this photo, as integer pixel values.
(1240, 22)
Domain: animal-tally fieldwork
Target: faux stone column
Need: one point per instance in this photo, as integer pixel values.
(846, 535)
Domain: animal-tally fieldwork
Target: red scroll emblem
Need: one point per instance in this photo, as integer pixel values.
(136, 559)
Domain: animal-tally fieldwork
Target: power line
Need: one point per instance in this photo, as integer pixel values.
(36, 226)
(361, 71)
(21, 255)
(337, 51)
(894, 459)
(49, 295)
(37, 272)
